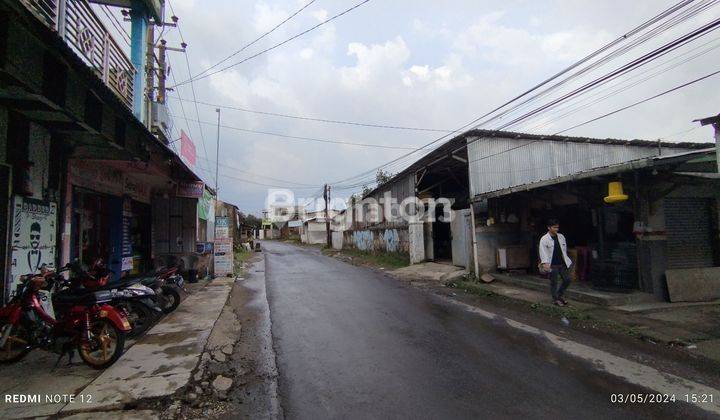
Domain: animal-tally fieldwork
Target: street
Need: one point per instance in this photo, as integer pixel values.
(354, 343)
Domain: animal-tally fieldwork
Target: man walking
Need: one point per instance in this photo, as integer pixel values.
(554, 260)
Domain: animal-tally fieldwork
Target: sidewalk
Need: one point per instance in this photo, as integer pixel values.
(692, 326)
(157, 364)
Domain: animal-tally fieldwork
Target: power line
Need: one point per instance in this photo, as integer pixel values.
(276, 45)
(641, 101)
(182, 108)
(621, 88)
(601, 116)
(267, 133)
(265, 184)
(587, 58)
(255, 40)
(235, 168)
(324, 120)
(116, 24)
(643, 38)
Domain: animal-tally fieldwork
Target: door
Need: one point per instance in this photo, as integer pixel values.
(460, 228)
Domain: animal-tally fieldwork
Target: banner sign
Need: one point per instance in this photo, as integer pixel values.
(33, 238)
(206, 206)
(295, 223)
(193, 189)
(187, 148)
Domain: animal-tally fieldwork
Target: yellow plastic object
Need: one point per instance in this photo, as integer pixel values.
(615, 193)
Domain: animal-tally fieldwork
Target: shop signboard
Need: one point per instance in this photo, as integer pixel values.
(223, 256)
(191, 189)
(295, 223)
(222, 227)
(33, 238)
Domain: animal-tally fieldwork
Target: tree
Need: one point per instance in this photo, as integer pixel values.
(253, 220)
(382, 177)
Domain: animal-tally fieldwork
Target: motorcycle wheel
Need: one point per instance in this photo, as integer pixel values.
(106, 346)
(171, 299)
(140, 317)
(17, 345)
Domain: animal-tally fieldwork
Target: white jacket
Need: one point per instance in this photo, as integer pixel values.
(547, 246)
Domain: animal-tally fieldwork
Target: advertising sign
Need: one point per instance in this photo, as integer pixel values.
(187, 148)
(222, 229)
(193, 189)
(33, 238)
(224, 257)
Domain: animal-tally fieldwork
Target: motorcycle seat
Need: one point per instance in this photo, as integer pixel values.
(88, 298)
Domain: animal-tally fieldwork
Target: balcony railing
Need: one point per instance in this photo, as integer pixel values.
(79, 26)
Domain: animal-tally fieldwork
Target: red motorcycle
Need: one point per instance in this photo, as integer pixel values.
(62, 322)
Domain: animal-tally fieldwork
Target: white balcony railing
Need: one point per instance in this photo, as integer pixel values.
(82, 30)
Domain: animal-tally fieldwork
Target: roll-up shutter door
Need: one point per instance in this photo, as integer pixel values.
(689, 241)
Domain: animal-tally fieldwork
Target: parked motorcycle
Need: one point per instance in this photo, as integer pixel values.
(139, 302)
(166, 282)
(44, 314)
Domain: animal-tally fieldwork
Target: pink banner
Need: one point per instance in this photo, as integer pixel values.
(187, 148)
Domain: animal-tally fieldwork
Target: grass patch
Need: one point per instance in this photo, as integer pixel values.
(240, 256)
(582, 317)
(385, 259)
(473, 288)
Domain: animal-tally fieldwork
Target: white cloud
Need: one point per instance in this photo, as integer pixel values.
(306, 53)
(266, 17)
(374, 62)
(494, 41)
(320, 14)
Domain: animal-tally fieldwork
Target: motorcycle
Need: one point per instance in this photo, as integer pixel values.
(42, 314)
(165, 283)
(137, 301)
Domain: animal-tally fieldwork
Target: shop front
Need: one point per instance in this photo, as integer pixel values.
(650, 225)
(109, 218)
(601, 236)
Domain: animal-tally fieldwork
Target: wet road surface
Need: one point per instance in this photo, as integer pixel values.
(353, 343)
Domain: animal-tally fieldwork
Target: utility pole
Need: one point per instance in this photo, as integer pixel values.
(162, 71)
(715, 122)
(217, 153)
(326, 196)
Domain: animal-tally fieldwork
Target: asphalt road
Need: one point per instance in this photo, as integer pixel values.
(354, 343)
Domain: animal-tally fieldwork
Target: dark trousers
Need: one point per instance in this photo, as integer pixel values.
(559, 271)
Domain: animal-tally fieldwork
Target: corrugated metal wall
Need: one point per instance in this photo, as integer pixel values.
(689, 241)
(498, 163)
(399, 190)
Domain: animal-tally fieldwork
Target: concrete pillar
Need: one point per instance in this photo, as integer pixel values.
(417, 242)
(138, 45)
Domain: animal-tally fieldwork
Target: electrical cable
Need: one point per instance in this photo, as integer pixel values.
(276, 45)
(267, 133)
(566, 70)
(324, 120)
(255, 40)
(192, 85)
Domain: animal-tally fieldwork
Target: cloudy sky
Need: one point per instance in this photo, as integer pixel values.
(420, 63)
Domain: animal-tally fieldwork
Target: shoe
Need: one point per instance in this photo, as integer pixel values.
(565, 302)
(558, 302)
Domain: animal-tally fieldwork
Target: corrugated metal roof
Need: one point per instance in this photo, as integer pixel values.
(460, 140)
(624, 166)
